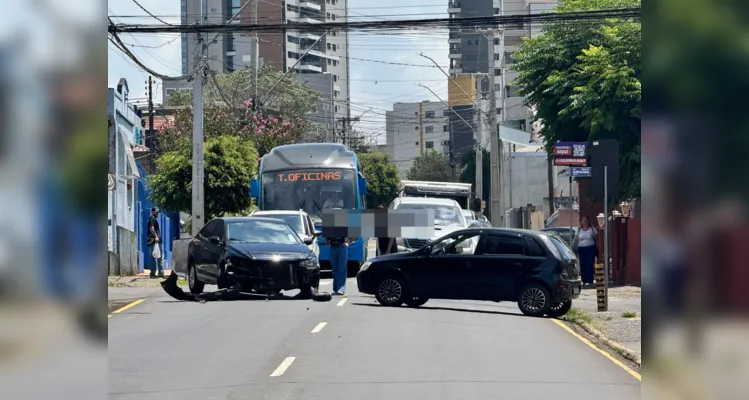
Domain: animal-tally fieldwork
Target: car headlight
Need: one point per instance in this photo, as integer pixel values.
(365, 266)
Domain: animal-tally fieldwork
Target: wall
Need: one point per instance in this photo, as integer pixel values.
(323, 84)
(526, 179)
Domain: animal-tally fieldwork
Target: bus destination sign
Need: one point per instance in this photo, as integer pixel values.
(309, 176)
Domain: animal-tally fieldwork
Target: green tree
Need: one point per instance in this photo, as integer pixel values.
(583, 79)
(230, 163)
(228, 109)
(382, 178)
(432, 166)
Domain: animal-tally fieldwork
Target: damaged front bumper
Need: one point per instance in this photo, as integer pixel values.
(274, 274)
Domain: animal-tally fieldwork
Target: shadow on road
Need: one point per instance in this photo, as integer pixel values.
(233, 293)
(445, 309)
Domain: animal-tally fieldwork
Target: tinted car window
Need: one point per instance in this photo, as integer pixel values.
(565, 250)
(504, 245)
(261, 232)
(210, 229)
(535, 249)
(292, 219)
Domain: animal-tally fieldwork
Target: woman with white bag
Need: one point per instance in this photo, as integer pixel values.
(154, 243)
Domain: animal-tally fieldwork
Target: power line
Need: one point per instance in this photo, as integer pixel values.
(149, 13)
(467, 22)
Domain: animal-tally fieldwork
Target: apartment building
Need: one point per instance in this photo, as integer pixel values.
(471, 53)
(328, 53)
(413, 128)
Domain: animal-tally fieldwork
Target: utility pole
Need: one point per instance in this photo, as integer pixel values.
(345, 122)
(256, 50)
(421, 129)
(151, 132)
(494, 145)
(198, 206)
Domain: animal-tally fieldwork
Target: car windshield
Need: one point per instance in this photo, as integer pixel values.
(468, 216)
(443, 215)
(311, 190)
(261, 232)
(294, 220)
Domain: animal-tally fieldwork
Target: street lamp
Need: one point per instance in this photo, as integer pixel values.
(626, 207)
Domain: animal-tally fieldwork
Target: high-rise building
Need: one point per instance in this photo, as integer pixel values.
(232, 51)
(470, 52)
(413, 128)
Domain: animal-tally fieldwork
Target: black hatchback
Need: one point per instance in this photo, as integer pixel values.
(534, 269)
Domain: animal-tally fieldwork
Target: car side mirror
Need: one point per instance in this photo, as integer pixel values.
(309, 240)
(214, 240)
(318, 233)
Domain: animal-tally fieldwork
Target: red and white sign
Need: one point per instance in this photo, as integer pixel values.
(562, 150)
(568, 161)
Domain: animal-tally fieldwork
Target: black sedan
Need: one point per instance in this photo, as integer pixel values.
(263, 255)
(534, 269)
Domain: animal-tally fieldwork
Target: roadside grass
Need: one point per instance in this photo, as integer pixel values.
(629, 314)
(582, 318)
(140, 282)
(578, 315)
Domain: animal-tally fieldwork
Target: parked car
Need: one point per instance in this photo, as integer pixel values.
(469, 216)
(448, 217)
(263, 255)
(534, 269)
(566, 233)
(299, 221)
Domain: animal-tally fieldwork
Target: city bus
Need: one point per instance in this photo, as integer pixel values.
(313, 177)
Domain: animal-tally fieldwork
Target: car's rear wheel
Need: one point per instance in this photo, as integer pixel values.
(392, 291)
(559, 309)
(416, 301)
(196, 286)
(534, 300)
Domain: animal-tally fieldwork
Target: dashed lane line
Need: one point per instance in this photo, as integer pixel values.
(319, 327)
(285, 364)
(342, 301)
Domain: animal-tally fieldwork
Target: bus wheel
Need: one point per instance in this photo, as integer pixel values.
(353, 268)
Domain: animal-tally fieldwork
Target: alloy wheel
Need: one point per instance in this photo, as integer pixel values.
(192, 277)
(534, 299)
(390, 290)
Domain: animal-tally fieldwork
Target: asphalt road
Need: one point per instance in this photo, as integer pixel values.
(259, 349)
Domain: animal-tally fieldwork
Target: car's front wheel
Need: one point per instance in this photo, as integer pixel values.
(416, 302)
(559, 309)
(196, 286)
(534, 300)
(392, 291)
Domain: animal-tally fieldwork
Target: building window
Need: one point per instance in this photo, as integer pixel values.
(512, 91)
(333, 15)
(429, 145)
(516, 124)
(499, 111)
(445, 113)
(472, 58)
(335, 47)
(336, 93)
(497, 71)
(170, 91)
(496, 11)
(327, 15)
(328, 45)
(496, 41)
(335, 63)
(329, 62)
(336, 109)
(429, 129)
(445, 128)
(417, 143)
(429, 114)
(335, 78)
(416, 128)
(497, 86)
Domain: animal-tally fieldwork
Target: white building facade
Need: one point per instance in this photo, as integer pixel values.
(404, 129)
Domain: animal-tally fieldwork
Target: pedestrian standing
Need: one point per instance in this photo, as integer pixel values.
(587, 250)
(338, 260)
(154, 237)
(386, 245)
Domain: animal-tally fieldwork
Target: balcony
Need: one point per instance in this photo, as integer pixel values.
(454, 37)
(307, 20)
(453, 7)
(303, 66)
(323, 55)
(455, 53)
(310, 6)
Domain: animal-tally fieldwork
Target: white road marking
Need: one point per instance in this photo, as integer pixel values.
(342, 302)
(283, 367)
(319, 327)
(325, 282)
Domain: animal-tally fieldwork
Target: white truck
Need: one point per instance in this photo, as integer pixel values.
(460, 192)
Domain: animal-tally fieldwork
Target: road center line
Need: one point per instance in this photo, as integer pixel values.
(283, 367)
(125, 307)
(319, 327)
(342, 302)
(594, 347)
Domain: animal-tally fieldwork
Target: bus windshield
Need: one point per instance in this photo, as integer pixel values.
(311, 190)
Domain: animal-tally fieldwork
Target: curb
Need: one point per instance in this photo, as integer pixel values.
(626, 353)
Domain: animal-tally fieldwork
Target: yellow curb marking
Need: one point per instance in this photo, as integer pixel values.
(123, 308)
(594, 347)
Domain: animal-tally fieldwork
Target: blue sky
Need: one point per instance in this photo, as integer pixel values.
(374, 85)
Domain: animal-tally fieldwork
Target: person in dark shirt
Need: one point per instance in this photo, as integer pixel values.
(154, 236)
(386, 245)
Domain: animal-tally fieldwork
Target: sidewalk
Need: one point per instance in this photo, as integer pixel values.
(621, 324)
